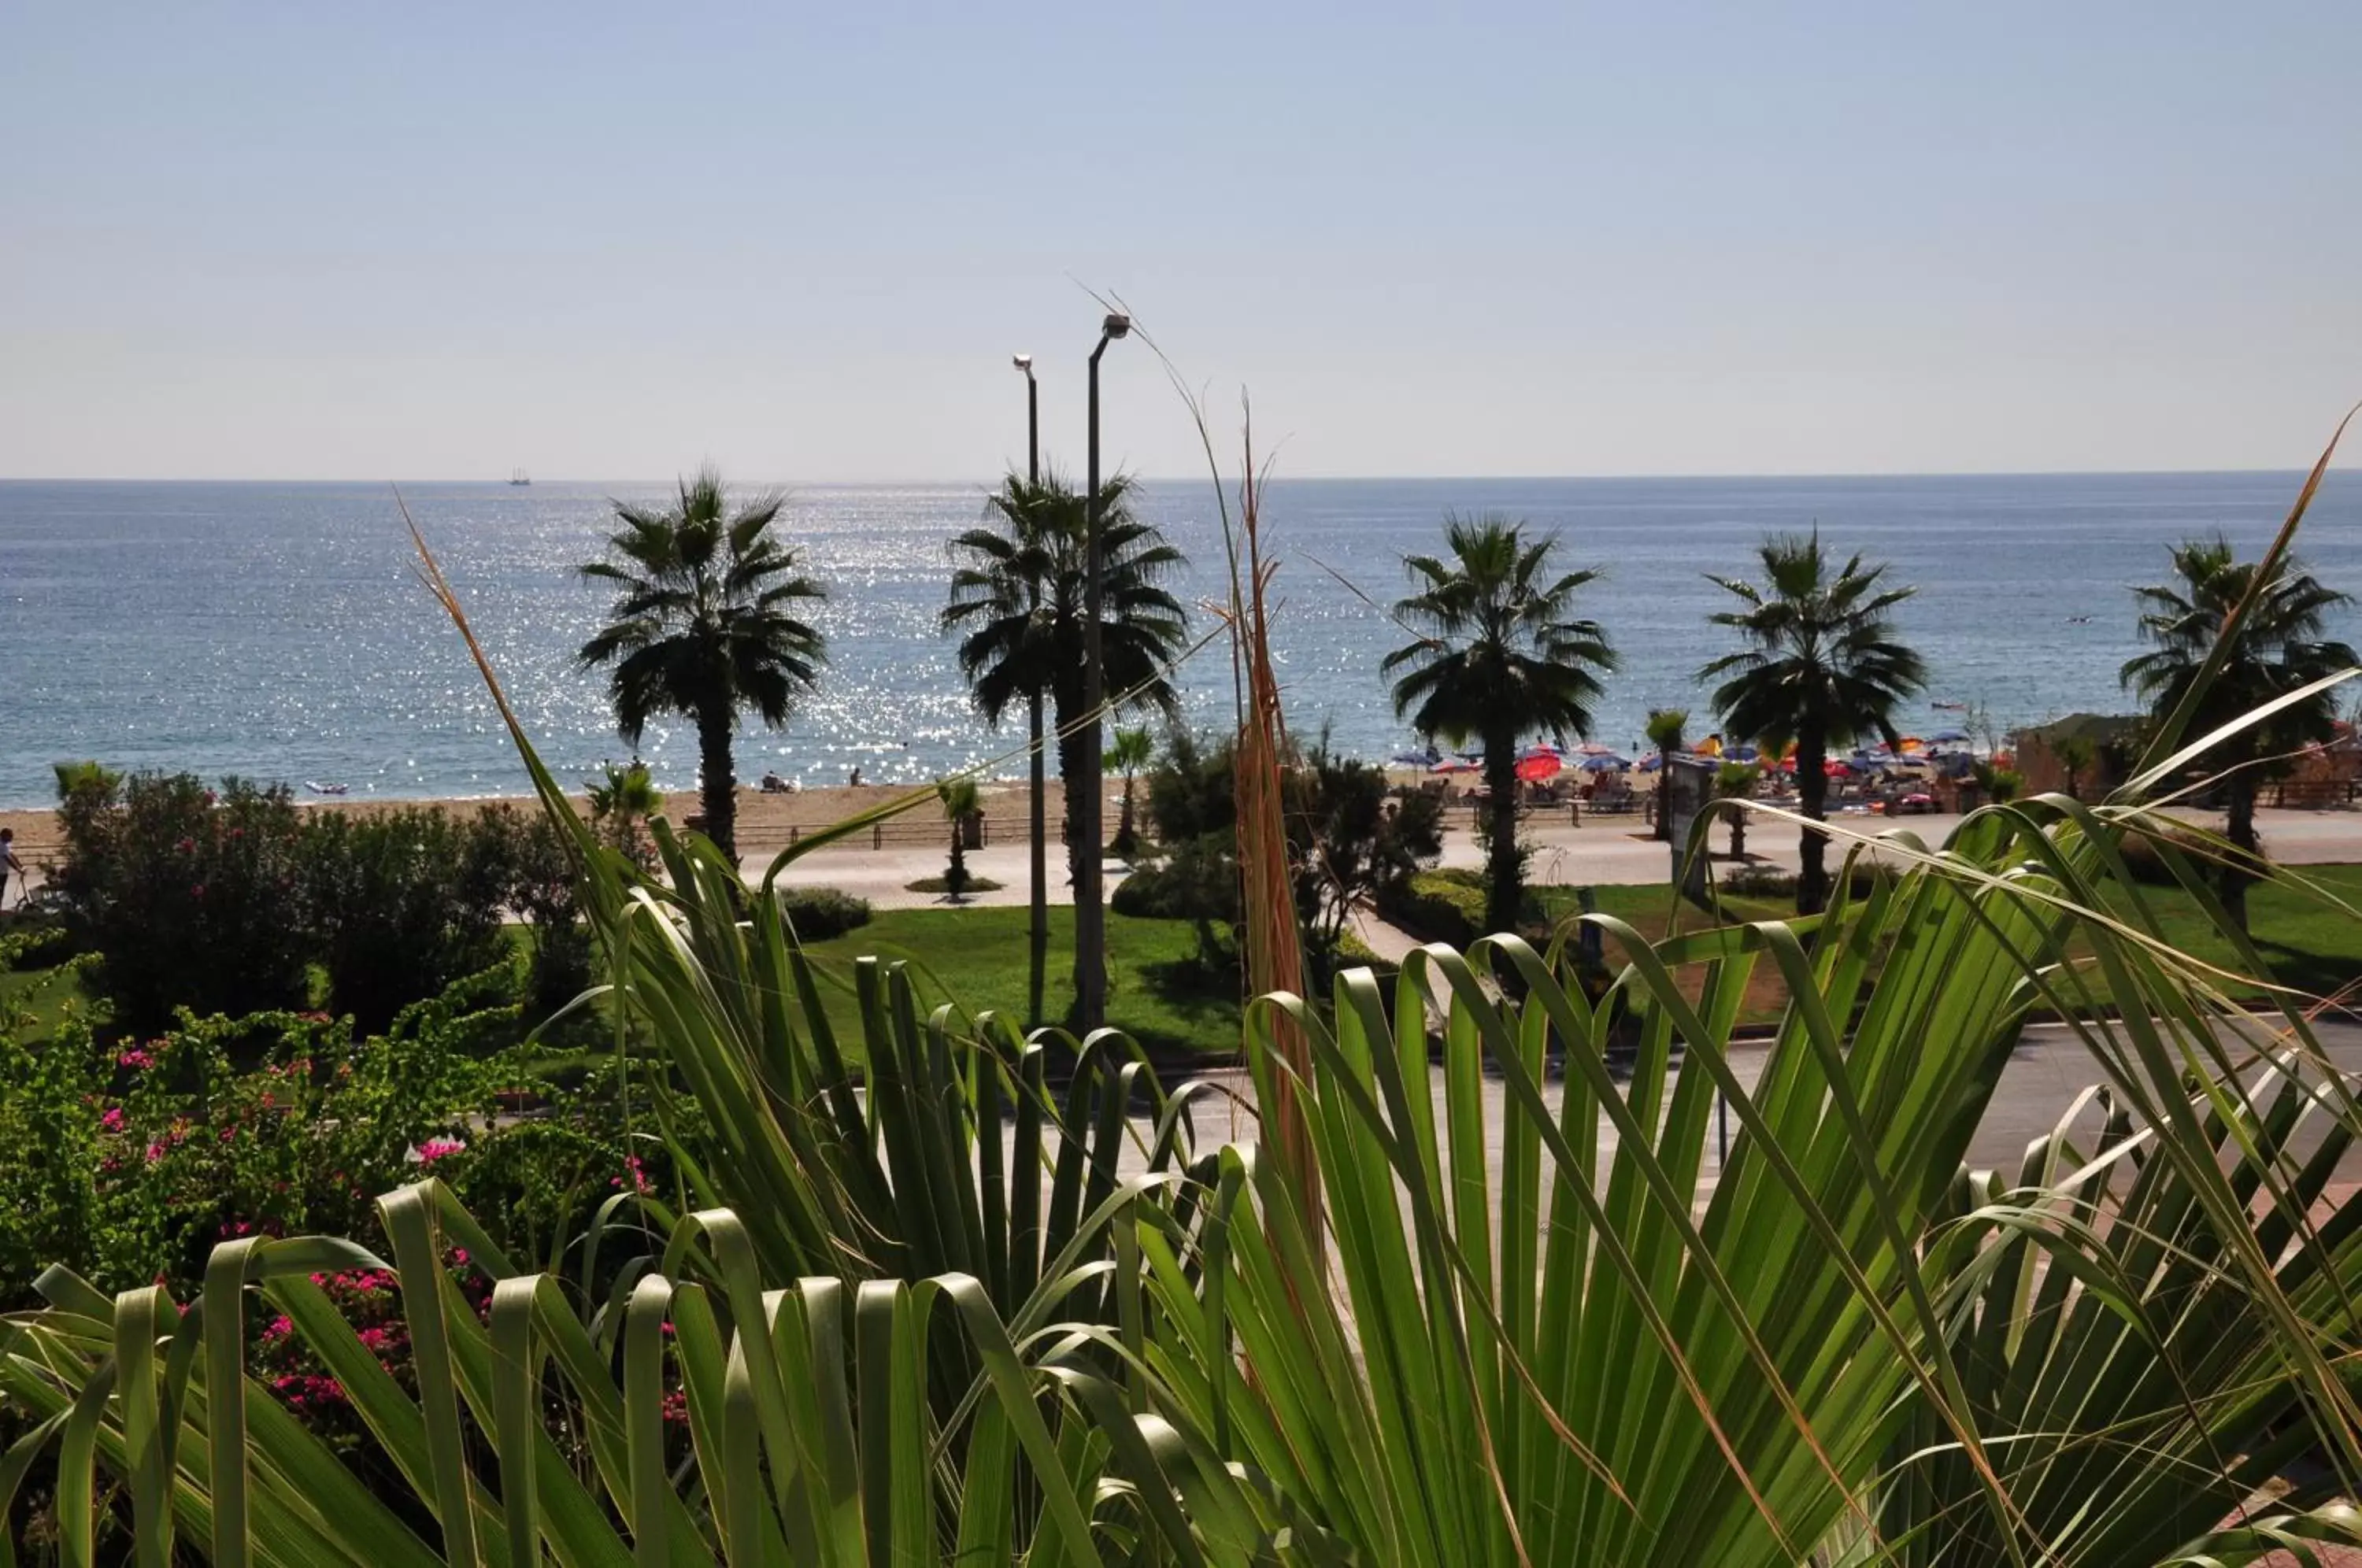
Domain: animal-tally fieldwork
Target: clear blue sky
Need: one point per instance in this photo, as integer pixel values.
(605, 241)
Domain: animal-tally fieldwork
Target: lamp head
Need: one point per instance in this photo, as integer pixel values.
(1024, 362)
(1117, 325)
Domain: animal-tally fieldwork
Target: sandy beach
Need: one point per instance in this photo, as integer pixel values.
(766, 823)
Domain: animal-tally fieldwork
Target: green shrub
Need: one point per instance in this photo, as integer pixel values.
(220, 901)
(815, 914)
(542, 889)
(1449, 905)
(403, 903)
(1761, 882)
(195, 898)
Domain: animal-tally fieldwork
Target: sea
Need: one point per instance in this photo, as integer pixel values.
(281, 632)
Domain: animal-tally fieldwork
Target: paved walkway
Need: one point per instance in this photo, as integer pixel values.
(1603, 851)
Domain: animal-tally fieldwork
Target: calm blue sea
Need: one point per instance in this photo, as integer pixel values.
(277, 630)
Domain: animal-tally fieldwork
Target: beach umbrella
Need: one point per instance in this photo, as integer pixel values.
(1542, 748)
(1910, 745)
(1710, 746)
(1835, 768)
(1427, 758)
(1741, 754)
(1456, 766)
(1949, 736)
(1606, 762)
(1592, 748)
(1537, 765)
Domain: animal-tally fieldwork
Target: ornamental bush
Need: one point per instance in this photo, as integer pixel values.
(194, 895)
(131, 1159)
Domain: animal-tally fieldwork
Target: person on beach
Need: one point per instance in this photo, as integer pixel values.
(10, 866)
(855, 782)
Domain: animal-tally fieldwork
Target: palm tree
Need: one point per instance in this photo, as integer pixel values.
(624, 798)
(959, 799)
(2278, 648)
(998, 587)
(1821, 665)
(1500, 653)
(1129, 751)
(704, 623)
(1664, 732)
(1017, 603)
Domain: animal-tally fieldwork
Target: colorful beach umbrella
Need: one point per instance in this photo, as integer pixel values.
(1607, 762)
(1537, 765)
(1949, 736)
(1456, 766)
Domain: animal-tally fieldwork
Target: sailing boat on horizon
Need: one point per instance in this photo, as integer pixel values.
(520, 477)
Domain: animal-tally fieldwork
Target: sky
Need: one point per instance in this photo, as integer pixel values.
(609, 242)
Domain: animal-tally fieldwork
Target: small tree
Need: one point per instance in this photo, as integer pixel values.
(2076, 753)
(1130, 750)
(1998, 785)
(959, 801)
(1736, 781)
(1664, 732)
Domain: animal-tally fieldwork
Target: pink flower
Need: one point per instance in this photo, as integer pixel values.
(435, 1149)
(197, 891)
(113, 1121)
(279, 1328)
(459, 1257)
(137, 1060)
(373, 1340)
(155, 1153)
(185, 846)
(631, 1168)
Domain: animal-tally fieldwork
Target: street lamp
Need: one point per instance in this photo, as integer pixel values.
(1090, 910)
(1038, 897)
(1024, 363)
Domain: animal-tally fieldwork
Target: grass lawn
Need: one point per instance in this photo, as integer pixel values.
(2304, 941)
(976, 958)
(42, 993)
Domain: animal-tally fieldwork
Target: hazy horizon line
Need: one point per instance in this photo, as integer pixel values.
(1226, 479)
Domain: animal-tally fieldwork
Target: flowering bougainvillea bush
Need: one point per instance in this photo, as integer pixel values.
(134, 1157)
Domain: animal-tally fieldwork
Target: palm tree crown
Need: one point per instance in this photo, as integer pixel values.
(1820, 664)
(1500, 653)
(2281, 646)
(704, 623)
(1500, 643)
(1016, 604)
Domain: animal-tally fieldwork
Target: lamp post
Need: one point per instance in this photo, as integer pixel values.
(1024, 363)
(1038, 930)
(1090, 910)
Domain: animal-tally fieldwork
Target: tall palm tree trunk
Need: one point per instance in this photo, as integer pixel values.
(2239, 828)
(717, 789)
(1501, 889)
(1038, 930)
(1813, 794)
